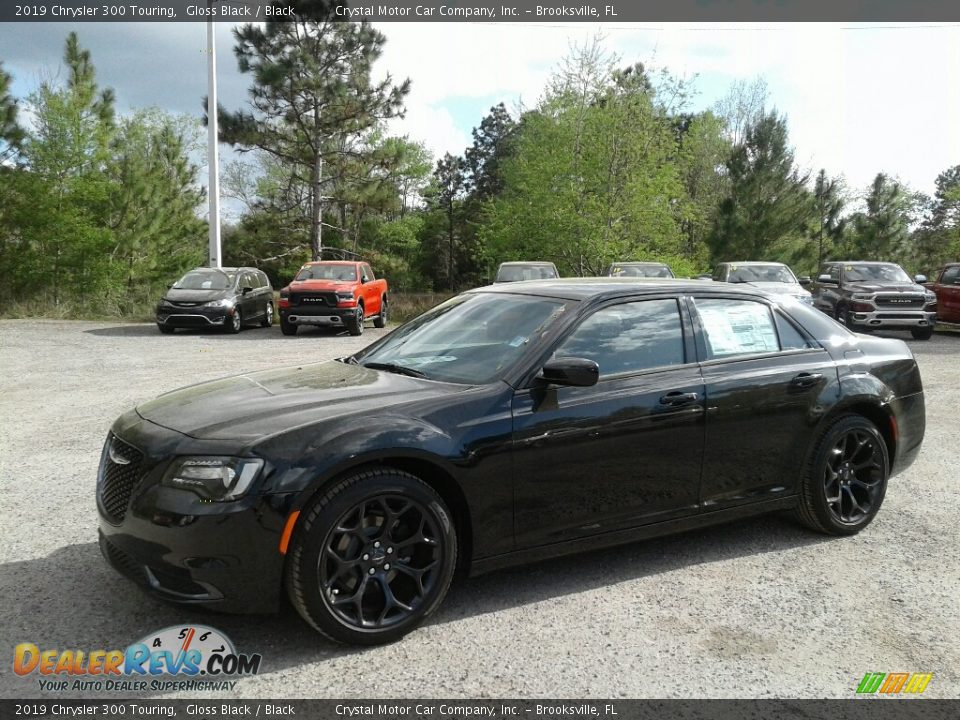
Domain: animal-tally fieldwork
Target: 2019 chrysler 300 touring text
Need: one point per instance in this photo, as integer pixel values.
(511, 423)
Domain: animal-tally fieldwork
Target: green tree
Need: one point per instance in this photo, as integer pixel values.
(881, 231)
(769, 206)
(11, 133)
(312, 99)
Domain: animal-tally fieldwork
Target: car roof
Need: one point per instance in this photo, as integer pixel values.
(334, 262)
(601, 287)
(641, 262)
(527, 262)
(859, 262)
(754, 262)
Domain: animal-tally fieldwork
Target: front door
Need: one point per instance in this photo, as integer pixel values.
(624, 452)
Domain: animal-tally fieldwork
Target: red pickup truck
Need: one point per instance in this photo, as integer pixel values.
(333, 293)
(946, 286)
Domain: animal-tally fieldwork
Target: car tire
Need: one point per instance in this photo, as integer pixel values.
(845, 478)
(339, 574)
(922, 333)
(234, 323)
(165, 329)
(381, 320)
(267, 316)
(287, 328)
(355, 323)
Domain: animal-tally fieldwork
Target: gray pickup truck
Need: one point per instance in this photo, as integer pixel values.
(875, 295)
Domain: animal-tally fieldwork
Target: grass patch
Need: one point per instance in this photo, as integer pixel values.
(407, 306)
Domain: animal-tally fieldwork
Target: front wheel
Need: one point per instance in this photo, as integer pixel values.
(381, 321)
(267, 316)
(355, 323)
(234, 322)
(845, 479)
(922, 333)
(372, 558)
(287, 328)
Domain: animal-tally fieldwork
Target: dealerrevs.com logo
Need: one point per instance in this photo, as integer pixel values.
(193, 657)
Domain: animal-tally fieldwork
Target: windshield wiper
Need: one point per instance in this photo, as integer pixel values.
(395, 368)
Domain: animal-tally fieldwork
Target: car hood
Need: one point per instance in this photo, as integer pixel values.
(253, 406)
(871, 287)
(782, 288)
(322, 285)
(175, 295)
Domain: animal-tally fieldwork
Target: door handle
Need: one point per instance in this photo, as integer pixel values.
(806, 380)
(677, 397)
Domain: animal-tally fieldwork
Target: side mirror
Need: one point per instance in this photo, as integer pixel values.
(805, 280)
(826, 279)
(572, 371)
(364, 279)
(919, 279)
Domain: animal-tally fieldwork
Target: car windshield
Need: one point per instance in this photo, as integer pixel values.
(205, 280)
(641, 271)
(474, 338)
(760, 273)
(516, 273)
(332, 271)
(875, 273)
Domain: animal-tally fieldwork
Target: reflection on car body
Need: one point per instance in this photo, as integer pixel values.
(511, 423)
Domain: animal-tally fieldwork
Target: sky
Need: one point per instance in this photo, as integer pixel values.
(859, 99)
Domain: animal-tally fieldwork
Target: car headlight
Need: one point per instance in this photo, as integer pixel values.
(225, 303)
(213, 478)
(930, 297)
(344, 297)
(861, 296)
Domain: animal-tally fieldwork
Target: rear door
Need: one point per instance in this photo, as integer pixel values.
(765, 383)
(250, 302)
(624, 452)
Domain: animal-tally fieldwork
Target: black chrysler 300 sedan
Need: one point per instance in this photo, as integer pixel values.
(508, 424)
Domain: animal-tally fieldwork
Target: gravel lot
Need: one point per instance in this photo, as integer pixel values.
(757, 609)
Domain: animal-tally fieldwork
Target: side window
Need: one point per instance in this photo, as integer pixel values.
(790, 337)
(950, 276)
(719, 273)
(834, 272)
(264, 280)
(365, 270)
(736, 327)
(629, 337)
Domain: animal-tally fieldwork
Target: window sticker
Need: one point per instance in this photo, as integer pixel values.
(738, 328)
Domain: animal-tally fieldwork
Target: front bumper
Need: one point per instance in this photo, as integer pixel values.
(894, 319)
(328, 316)
(183, 549)
(192, 317)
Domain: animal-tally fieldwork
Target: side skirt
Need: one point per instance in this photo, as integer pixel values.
(623, 537)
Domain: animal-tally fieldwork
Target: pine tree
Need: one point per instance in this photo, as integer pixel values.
(312, 97)
(11, 134)
(829, 223)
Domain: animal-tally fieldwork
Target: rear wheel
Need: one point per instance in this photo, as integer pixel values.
(355, 323)
(267, 316)
(845, 479)
(372, 558)
(287, 328)
(922, 333)
(381, 320)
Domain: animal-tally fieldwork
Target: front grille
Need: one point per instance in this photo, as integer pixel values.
(120, 471)
(180, 303)
(122, 562)
(904, 302)
(189, 320)
(315, 299)
(898, 316)
(177, 582)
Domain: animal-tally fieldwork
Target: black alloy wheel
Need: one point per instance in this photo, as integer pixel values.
(267, 315)
(846, 480)
(355, 324)
(373, 558)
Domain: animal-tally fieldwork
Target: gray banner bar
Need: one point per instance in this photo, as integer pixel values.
(608, 11)
(853, 709)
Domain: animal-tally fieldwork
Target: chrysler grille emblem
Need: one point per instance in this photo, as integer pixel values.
(117, 458)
